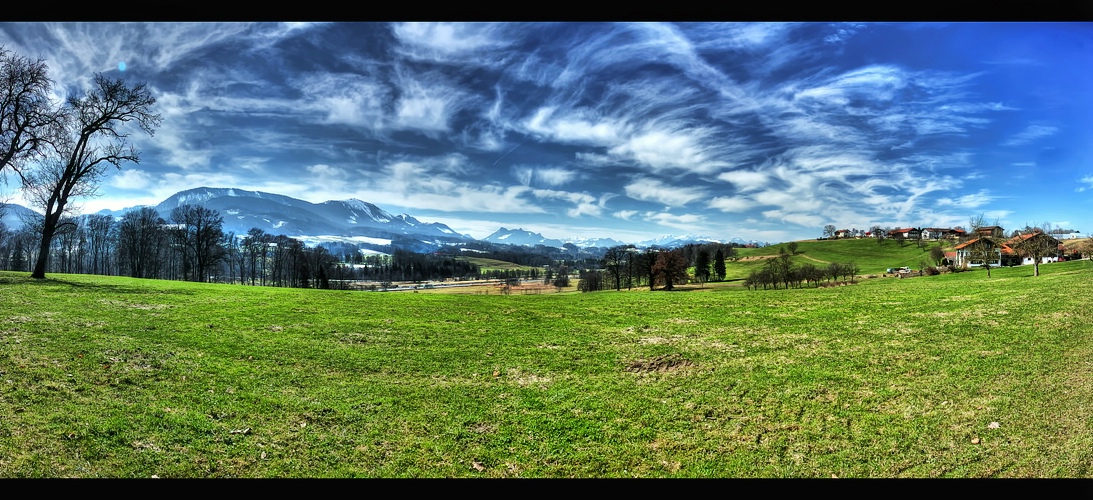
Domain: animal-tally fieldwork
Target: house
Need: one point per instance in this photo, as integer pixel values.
(971, 253)
(1049, 244)
(937, 233)
(1004, 253)
(907, 234)
(842, 233)
(990, 231)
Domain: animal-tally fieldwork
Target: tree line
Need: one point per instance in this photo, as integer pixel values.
(191, 245)
(780, 271)
(626, 266)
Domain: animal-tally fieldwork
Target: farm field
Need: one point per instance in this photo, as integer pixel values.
(487, 264)
(954, 375)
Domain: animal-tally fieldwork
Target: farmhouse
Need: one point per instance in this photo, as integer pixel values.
(1048, 244)
(974, 252)
(910, 233)
(990, 231)
(980, 251)
(937, 233)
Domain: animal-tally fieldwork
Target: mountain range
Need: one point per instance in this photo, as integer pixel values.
(352, 221)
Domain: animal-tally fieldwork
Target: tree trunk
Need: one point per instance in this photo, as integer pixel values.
(49, 226)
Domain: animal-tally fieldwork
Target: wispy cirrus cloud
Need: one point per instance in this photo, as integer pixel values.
(973, 200)
(1030, 134)
(546, 176)
(763, 128)
(653, 190)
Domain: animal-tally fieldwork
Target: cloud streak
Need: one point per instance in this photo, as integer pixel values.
(761, 129)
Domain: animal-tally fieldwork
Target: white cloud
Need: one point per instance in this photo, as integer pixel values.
(131, 179)
(653, 190)
(667, 149)
(585, 204)
(1087, 180)
(1030, 134)
(745, 180)
(429, 184)
(449, 42)
(580, 126)
(801, 219)
(685, 222)
(973, 200)
(732, 204)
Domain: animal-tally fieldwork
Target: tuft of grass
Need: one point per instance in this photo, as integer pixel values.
(946, 376)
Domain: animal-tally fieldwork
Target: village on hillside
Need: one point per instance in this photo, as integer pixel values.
(983, 245)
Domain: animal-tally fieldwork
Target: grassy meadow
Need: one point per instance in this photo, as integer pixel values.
(955, 375)
(871, 256)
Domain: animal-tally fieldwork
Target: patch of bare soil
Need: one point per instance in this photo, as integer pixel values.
(665, 363)
(757, 257)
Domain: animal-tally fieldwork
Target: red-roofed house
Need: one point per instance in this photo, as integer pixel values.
(1050, 248)
(910, 233)
(968, 254)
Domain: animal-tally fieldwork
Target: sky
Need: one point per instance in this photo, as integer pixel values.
(759, 131)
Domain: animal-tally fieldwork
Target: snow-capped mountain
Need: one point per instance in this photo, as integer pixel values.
(595, 242)
(672, 241)
(15, 214)
(521, 237)
(354, 221)
(279, 214)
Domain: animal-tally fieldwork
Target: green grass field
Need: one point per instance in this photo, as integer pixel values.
(945, 376)
(870, 256)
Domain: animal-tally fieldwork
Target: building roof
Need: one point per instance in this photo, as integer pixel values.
(1006, 249)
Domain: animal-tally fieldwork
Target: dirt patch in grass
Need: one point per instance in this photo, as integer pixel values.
(665, 363)
(132, 305)
(658, 340)
(682, 321)
(525, 379)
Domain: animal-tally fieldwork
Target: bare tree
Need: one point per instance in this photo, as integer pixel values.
(829, 231)
(975, 222)
(87, 139)
(25, 110)
(613, 260)
(199, 231)
(1035, 243)
(878, 233)
(984, 250)
(138, 235)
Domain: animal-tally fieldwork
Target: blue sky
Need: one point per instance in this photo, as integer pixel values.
(763, 131)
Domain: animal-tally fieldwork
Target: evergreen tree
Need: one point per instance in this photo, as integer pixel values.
(719, 265)
(702, 265)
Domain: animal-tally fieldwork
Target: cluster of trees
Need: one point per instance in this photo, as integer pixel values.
(189, 245)
(780, 271)
(627, 266)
